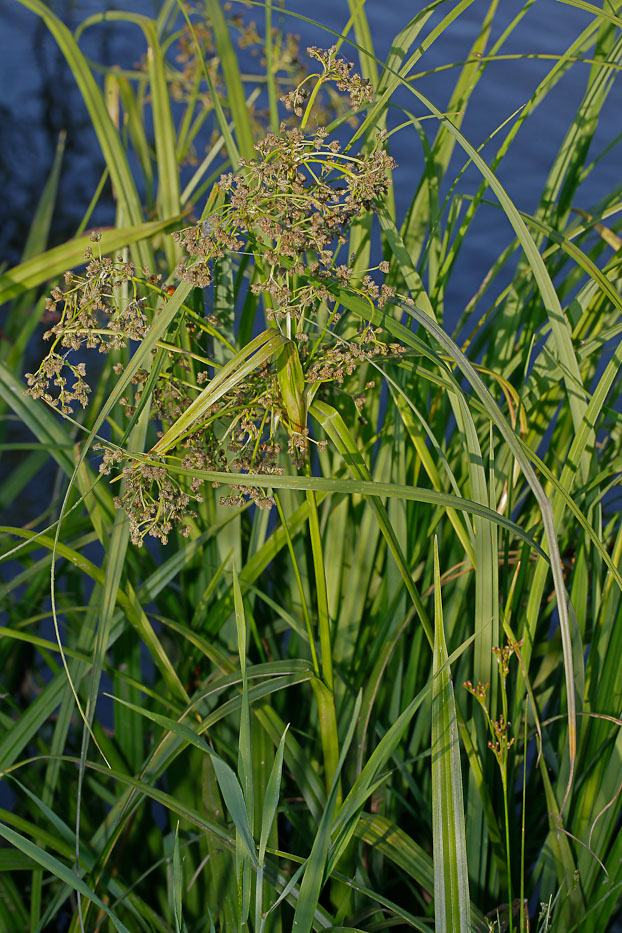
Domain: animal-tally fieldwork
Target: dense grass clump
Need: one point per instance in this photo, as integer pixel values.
(321, 626)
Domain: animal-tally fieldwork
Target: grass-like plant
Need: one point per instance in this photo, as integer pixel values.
(322, 626)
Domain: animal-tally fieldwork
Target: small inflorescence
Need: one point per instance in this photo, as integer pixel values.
(501, 741)
(92, 313)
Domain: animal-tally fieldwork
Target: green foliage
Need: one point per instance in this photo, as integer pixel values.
(293, 519)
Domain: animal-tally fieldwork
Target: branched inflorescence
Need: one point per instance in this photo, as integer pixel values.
(293, 205)
(291, 209)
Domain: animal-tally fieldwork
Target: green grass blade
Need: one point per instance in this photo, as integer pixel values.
(366, 488)
(271, 799)
(163, 128)
(180, 926)
(245, 759)
(258, 351)
(596, 11)
(42, 219)
(233, 82)
(137, 134)
(451, 880)
(59, 259)
(60, 871)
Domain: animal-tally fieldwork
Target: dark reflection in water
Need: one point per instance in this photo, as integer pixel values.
(40, 99)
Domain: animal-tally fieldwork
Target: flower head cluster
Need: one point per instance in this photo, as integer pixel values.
(336, 69)
(503, 656)
(92, 312)
(479, 691)
(336, 360)
(501, 741)
(155, 502)
(293, 206)
(50, 383)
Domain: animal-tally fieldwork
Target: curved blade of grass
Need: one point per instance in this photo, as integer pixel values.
(451, 880)
(60, 871)
(366, 488)
(239, 366)
(378, 830)
(163, 127)
(596, 11)
(59, 259)
(384, 836)
(413, 922)
(153, 793)
(227, 780)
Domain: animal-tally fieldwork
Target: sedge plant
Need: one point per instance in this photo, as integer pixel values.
(292, 496)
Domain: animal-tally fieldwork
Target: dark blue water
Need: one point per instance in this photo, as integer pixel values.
(548, 28)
